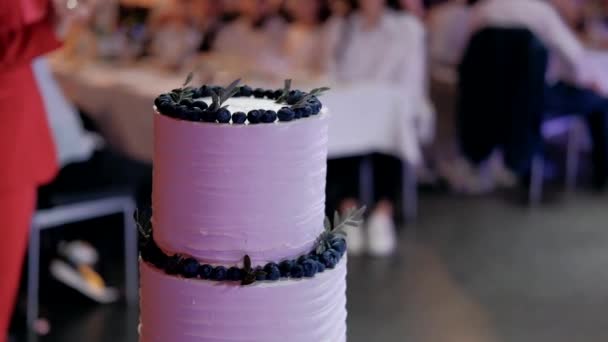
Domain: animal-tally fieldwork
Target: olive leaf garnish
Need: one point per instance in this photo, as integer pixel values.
(286, 90)
(228, 92)
(250, 274)
(352, 218)
(313, 93)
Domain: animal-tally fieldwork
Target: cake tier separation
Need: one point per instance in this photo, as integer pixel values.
(327, 252)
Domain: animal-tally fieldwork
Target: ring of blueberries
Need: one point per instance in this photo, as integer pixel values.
(193, 108)
(306, 266)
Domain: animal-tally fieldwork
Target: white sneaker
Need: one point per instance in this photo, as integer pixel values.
(354, 240)
(382, 235)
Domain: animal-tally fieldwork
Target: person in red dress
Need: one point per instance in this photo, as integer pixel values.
(27, 156)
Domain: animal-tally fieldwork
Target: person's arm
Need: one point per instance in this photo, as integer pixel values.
(24, 40)
(560, 39)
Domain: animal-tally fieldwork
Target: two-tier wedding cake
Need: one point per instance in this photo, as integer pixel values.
(237, 248)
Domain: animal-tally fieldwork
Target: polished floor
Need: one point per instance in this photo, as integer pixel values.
(470, 270)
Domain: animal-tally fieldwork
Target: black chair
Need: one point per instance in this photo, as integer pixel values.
(501, 102)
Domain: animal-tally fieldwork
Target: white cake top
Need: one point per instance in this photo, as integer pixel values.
(246, 104)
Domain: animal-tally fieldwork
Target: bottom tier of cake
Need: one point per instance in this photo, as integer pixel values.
(194, 310)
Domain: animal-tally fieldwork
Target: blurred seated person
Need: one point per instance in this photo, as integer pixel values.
(206, 17)
(305, 37)
(571, 83)
(86, 163)
(258, 31)
(448, 32)
(174, 36)
(375, 43)
(414, 7)
(339, 8)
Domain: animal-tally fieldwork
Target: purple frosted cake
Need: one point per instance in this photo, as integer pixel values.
(239, 249)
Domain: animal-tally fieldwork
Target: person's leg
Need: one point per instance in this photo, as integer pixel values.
(105, 170)
(381, 223)
(16, 209)
(562, 99)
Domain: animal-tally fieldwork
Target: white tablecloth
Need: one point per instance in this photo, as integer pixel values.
(364, 117)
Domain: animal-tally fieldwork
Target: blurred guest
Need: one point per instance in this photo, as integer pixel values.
(207, 19)
(305, 37)
(377, 44)
(414, 7)
(339, 8)
(257, 32)
(26, 149)
(447, 25)
(175, 38)
(87, 163)
(571, 83)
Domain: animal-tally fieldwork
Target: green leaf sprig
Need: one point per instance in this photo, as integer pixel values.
(352, 218)
(185, 92)
(313, 93)
(228, 92)
(250, 273)
(286, 90)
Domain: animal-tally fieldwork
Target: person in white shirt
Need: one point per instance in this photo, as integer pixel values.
(381, 45)
(571, 83)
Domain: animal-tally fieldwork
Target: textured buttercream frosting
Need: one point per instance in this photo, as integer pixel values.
(222, 191)
(193, 310)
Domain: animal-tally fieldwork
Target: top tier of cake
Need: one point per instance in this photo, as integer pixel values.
(222, 190)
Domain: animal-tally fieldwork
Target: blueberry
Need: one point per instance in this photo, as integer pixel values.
(320, 267)
(302, 258)
(339, 245)
(297, 271)
(306, 111)
(186, 102)
(194, 114)
(166, 108)
(272, 271)
(204, 271)
(205, 91)
(154, 255)
(269, 116)
(286, 114)
(328, 258)
(277, 93)
(246, 91)
(234, 274)
(285, 267)
(209, 116)
(219, 273)
(294, 96)
(269, 94)
(182, 112)
(190, 268)
(223, 115)
(173, 264)
(313, 256)
(254, 116)
(200, 104)
(309, 267)
(260, 274)
(258, 93)
(298, 113)
(160, 99)
(239, 118)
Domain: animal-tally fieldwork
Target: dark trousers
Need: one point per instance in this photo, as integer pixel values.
(563, 99)
(343, 179)
(106, 170)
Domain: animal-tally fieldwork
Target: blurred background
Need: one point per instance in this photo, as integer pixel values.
(476, 132)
